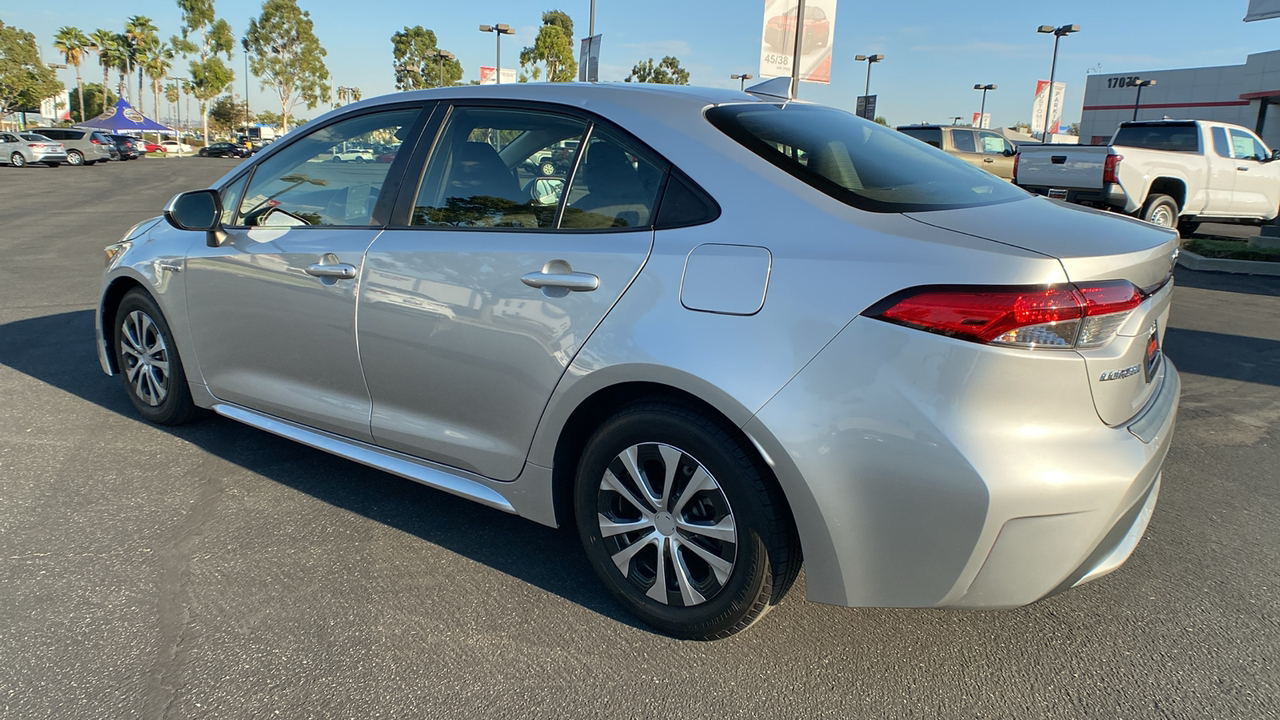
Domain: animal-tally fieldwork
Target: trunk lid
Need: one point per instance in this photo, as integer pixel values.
(1093, 246)
(1062, 166)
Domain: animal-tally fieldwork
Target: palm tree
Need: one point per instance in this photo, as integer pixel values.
(103, 41)
(122, 59)
(139, 29)
(73, 44)
(158, 61)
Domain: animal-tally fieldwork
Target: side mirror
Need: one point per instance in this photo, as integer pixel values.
(197, 210)
(1010, 152)
(1275, 155)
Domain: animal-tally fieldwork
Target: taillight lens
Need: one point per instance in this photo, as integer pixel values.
(1057, 316)
(95, 141)
(1111, 169)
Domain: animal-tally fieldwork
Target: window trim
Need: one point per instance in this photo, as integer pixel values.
(403, 211)
(390, 185)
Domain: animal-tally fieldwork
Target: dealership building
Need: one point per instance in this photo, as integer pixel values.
(1247, 95)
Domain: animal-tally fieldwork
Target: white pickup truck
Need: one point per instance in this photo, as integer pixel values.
(1167, 172)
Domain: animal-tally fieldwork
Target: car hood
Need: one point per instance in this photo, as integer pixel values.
(1090, 244)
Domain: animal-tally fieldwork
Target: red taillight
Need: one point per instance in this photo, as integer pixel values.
(1111, 169)
(1058, 316)
(95, 141)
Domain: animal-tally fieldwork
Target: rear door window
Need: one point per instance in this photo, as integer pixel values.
(962, 140)
(616, 186)
(859, 162)
(1180, 137)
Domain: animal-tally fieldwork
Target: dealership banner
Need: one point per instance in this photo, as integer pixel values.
(1041, 105)
(982, 120)
(1262, 10)
(589, 59)
(778, 40)
(489, 77)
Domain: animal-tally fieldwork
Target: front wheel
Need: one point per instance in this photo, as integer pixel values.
(1160, 210)
(149, 363)
(682, 522)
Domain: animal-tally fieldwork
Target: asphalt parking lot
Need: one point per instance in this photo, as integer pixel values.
(216, 571)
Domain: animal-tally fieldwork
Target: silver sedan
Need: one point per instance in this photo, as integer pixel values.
(23, 149)
(729, 332)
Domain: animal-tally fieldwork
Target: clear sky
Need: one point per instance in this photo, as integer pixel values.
(936, 50)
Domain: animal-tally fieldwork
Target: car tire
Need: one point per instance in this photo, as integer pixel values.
(1187, 228)
(547, 168)
(1161, 210)
(337, 159)
(701, 565)
(74, 157)
(148, 361)
(17, 160)
(358, 159)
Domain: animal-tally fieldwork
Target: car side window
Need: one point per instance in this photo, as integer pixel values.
(992, 144)
(963, 141)
(1246, 147)
(302, 184)
(616, 185)
(8, 138)
(498, 168)
(1220, 144)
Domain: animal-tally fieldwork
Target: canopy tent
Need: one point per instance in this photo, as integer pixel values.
(124, 118)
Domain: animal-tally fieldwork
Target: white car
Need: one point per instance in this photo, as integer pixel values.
(173, 146)
(359, 155)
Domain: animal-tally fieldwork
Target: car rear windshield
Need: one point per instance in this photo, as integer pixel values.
(928, 135)
(858, 162)
(1178, 138)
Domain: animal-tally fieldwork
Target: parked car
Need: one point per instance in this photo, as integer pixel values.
(224, 149)
(130, 148)
(937, 389)
(174, 147)
(1167, 172)
(358, 155)
(154, 147)
(781, 30)
(22, 149)
(982, 148)
(83, 146)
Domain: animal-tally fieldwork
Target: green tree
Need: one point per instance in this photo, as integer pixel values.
(667, 72)
(881, 119)
(553, 48)
(120, 55)
(157, 62)
(285, 53)
(139, 31)
(94, 101)
(103, 41)
(227, 113)
(73, 44)
(209, 75)
(416, 66)
(270, 119)
(24, 79)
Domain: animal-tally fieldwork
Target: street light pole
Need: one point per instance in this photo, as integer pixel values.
(499, 29)
(982, 112)
(866, 93)
(1058, 34)
(1138, 100)
(742, 84)
(245, 43)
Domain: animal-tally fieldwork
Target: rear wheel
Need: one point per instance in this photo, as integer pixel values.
(682, 523)
(1160, 210)
(17, 160)
(74, 157)
(149, 363)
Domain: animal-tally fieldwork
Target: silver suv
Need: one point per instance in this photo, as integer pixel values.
(84, 147)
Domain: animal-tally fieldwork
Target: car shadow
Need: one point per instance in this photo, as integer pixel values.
(1232, 357)
(58, 350)
(1228, 282)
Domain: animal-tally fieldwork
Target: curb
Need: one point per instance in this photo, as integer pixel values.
(1192, 261)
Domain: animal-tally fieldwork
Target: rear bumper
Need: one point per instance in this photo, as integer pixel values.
(929, 472)
(1110, 195)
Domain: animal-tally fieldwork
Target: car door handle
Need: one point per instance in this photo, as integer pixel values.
(988, 159)
(557, 274)
(341, 271)
(576, 281)
(1242, 168)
